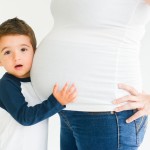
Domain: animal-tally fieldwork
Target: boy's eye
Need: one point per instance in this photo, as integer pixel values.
(23, 49)
(6, 52)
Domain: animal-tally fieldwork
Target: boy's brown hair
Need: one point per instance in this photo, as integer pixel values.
(16, 26)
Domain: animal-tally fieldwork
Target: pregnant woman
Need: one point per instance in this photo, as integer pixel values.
(95, 44)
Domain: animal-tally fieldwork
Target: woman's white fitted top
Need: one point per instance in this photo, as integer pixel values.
(94, 44)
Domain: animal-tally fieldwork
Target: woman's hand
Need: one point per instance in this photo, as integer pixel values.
(135, 100)
(147, 1)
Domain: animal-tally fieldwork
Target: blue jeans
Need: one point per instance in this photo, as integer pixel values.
(100, 130)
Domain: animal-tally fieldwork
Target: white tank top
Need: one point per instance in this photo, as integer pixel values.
(95, 44)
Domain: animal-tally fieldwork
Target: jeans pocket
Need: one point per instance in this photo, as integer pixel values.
(140, 125)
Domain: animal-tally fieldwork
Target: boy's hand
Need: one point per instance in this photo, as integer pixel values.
(66, 94)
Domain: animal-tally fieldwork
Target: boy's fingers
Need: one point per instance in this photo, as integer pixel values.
(71, 89)
(72, 96)
(64, 89)
(55, 89)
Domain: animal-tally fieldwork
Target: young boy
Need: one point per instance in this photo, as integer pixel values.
(18, 102)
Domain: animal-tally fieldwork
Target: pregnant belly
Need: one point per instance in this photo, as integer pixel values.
(90, 67)
(95, 70)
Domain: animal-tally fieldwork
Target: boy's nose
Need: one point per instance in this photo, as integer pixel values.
(16, 56)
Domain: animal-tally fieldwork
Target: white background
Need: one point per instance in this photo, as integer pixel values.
(37, 14)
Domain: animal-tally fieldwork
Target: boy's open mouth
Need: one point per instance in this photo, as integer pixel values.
(18, 66)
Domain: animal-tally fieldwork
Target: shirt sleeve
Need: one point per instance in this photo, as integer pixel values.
(14, 103)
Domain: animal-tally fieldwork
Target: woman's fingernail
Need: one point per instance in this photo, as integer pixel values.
(127, 121)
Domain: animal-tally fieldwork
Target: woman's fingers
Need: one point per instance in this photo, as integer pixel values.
(129, 106)
(132, 101)
(137, 115)
(138, 101)
(126, 98)
(128, 88)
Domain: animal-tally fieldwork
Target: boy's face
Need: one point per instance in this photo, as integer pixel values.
(16, 55)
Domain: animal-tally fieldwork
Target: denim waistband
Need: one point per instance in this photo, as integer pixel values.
(102, 112)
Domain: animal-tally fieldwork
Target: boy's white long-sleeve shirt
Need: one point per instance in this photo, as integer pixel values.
(22, 114)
